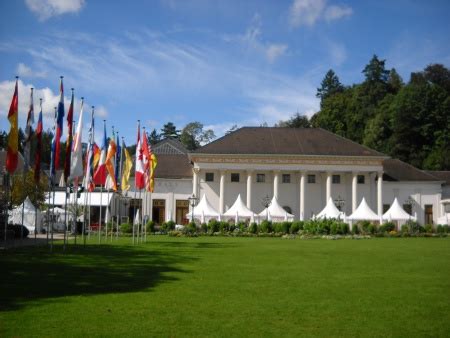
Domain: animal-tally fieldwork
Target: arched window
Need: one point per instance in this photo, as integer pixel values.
(287, 209)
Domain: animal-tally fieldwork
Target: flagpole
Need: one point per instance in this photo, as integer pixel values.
(121, 192)
(88, 174)
(65, 215)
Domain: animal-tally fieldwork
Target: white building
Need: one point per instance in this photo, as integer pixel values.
(301, 167)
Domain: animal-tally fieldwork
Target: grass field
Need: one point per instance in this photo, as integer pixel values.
(216, 286)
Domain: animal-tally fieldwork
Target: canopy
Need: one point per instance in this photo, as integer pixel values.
(275, 212)
(93, 198)
(330, 211)
(396, 213)
(203, 210)
(363, 212)
(238, 210)
(30, 215)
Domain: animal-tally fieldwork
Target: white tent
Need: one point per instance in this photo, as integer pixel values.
(330, 211)
(275, 212)
(396, 213)
(203, 211)
(363, 213)
(137, 218)
(30, 215)
(238, 210)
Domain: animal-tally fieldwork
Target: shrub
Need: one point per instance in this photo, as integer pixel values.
(323, 227)
(364, 226)
(334, 228)
(429, 228)
(223, 226)
(265, 227)
(168, 226)
(344, 228)
(150, 226)
(404, 229)
(17, 229)
(253, 228)
(296, 227)
(355, 229)
(414, 227)
(204, 227)
(191, 228)
(213, 226)
(126, 228)
(310, 227)
(371, 229)
(242, 226)
(387, 227)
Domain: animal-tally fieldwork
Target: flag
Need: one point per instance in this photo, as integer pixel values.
(96, 153)
(53, 152)
(76, 165)
(139, 167)
(59, 125)
(112, 148)
(153, 164)
(29, 131)
(146, 160)
(88, 181)
(100, 172)
(126, 169)
(69, 141)
(13, 137)
(37, 159)
(118, 155)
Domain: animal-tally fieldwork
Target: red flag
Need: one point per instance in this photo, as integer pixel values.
(69, 141)
(139, 179)
(37, 160)
(13, 137)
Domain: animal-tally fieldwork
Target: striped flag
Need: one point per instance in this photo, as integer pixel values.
(59, 125)
(88, 180)
(29, 131)
(69, 141)
(37, 159)
(100, 173)
(128, 164)
(146, 160)
(153, 164)
(139, 179)
(76, 165)
(112, 148)
(13, 137)
(118, 155)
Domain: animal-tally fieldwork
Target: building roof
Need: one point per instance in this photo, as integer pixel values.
(173, 166)
(286, 141)
(441, 175)
(396, 170)
(169, 146)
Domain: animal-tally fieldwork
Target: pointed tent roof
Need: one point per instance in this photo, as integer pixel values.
(275, 210)
(396, 213)
(330, 211)
(28, 205)
(204, 209)
(239, 208)
(363, 212)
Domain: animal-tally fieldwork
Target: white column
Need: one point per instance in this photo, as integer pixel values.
(249, 189)
(354, 191)
(328, 194)
(222, 192)
(302, 195)
(195, 172)
(380, 194)
(276, 181)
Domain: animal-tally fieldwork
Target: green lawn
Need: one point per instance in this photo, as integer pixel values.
(216, 286)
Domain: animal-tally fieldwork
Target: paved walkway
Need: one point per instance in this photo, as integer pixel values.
(41, 239)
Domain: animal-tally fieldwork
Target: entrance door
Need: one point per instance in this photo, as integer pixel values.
(182, 210)
(159, 211)
(428, 214)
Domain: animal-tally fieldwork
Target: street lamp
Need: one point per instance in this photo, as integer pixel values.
(339, 202)
(410, 201)
(193, 202)
(266, 202)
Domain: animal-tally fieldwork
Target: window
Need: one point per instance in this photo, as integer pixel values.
(209, 177)
(408, 208)
(428, 214)
(336, 179)
(287, 209)
(260, 178)
(386, 207)
(286, 178)
(311, 178)
(234, 177)
(361, 179)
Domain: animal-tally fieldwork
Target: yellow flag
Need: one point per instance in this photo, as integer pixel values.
(126, 170)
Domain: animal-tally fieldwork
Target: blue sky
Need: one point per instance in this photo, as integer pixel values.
(217, 62)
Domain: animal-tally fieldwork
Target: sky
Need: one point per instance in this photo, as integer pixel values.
(217, 62)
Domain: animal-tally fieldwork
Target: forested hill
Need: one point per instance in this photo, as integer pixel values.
(409, 121)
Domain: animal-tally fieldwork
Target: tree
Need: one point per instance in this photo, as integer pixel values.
(438, 75)
(330, 85)
(296, 121)
(154, 137)
(375, 70)
(193, 135)
(233, 128)
(169, 130)
(23, 186)
(395, 81)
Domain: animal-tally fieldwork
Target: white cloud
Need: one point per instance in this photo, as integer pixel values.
(46, 9)
(24, 71)
(338, 53)
(274, 51)
(336, 12)
(308, 12)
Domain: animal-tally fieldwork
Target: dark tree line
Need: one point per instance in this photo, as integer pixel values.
(409, 121)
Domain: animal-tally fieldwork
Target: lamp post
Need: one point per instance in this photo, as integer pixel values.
(193, 202)
(410, 201)
(339, 202)
(266, 202)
